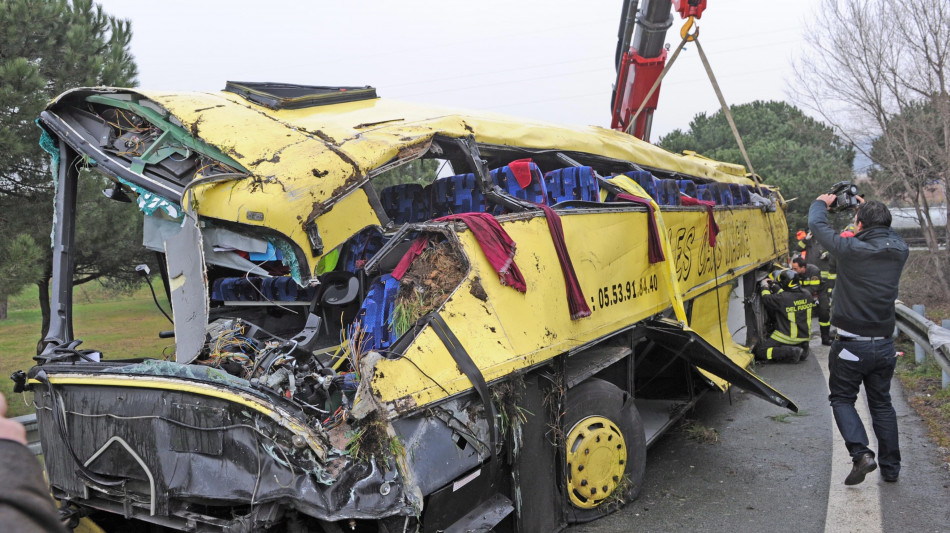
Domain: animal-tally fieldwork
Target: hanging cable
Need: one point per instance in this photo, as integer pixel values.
(732, 124)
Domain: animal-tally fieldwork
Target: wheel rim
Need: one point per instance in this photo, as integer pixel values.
(596, 460)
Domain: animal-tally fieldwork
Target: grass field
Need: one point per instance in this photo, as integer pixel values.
(118, 325)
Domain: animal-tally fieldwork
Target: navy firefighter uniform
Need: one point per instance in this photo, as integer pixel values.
(829, 273)
(789, 310)
(812, 277)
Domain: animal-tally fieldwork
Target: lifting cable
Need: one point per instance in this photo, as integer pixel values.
(732, 123)
(687, 36)
(694, 37)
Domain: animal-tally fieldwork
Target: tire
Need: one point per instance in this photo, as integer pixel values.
(597, 426)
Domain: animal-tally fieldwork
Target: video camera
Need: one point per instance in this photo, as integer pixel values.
(846, 196)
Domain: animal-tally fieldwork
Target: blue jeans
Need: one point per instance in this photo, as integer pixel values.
(871, 363)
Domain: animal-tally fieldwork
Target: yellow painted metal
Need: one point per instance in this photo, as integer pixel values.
(152, 382)
(709, 320)
(306, 161)
(510, 331)
(596, 456)
(86, 525)
(670, 279)
(307, 165)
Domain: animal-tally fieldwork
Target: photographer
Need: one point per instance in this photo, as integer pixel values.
(869, 267)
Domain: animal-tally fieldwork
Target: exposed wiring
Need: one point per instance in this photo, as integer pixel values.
(249, 282)
(155, 299)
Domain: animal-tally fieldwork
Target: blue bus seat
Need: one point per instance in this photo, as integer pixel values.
(455, 194)
(571, 183)
(645, 180)
(404, 203)
(375, 314)
(360, 248)
(687, 187)
(534, 193)
(736, 190)
(704, 193)
(721, 193)
(237, 289)
(668, 192)
(283, 289)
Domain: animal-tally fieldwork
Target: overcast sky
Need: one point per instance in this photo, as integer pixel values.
(551, 60)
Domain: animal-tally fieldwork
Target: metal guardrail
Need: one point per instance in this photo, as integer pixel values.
(32, 432)
(920, 330)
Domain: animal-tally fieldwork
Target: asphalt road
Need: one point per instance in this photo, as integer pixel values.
(772, 472)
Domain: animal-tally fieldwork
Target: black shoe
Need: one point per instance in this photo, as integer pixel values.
(890, 478)
(826, 341)
(862, 467)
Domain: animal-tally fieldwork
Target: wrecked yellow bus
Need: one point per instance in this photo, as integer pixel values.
(391, 317)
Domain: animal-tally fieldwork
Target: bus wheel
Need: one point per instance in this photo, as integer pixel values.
(604, 451)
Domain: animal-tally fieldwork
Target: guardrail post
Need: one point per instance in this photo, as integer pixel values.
(946, 377)
(920, 356)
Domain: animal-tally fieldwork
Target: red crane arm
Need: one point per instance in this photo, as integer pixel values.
(641, 59)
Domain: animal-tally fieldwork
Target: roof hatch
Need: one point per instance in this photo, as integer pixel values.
(291, 96)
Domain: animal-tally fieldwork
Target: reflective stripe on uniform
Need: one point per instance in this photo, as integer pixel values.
(824, 324)
(794, 324)
(768, 354)
(785, 339)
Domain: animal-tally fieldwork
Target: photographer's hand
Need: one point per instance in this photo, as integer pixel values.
(828, 199)
(10, 429)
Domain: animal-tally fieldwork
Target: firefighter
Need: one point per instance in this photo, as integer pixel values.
(814, 279)
(810, 248)
(788, 306)
(829, 272)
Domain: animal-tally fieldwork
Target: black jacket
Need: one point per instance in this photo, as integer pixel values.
(812, 249)
(25, 503)
(811, 279)
(869, 268)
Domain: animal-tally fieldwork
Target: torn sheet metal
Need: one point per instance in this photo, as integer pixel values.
(223, 239)
(156, 229)
(438, 451)
(261, 464)
(184, 253)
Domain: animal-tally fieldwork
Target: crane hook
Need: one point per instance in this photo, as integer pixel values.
(684, 31)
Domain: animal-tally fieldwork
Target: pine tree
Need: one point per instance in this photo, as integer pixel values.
(47, 47)
(799, 154)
